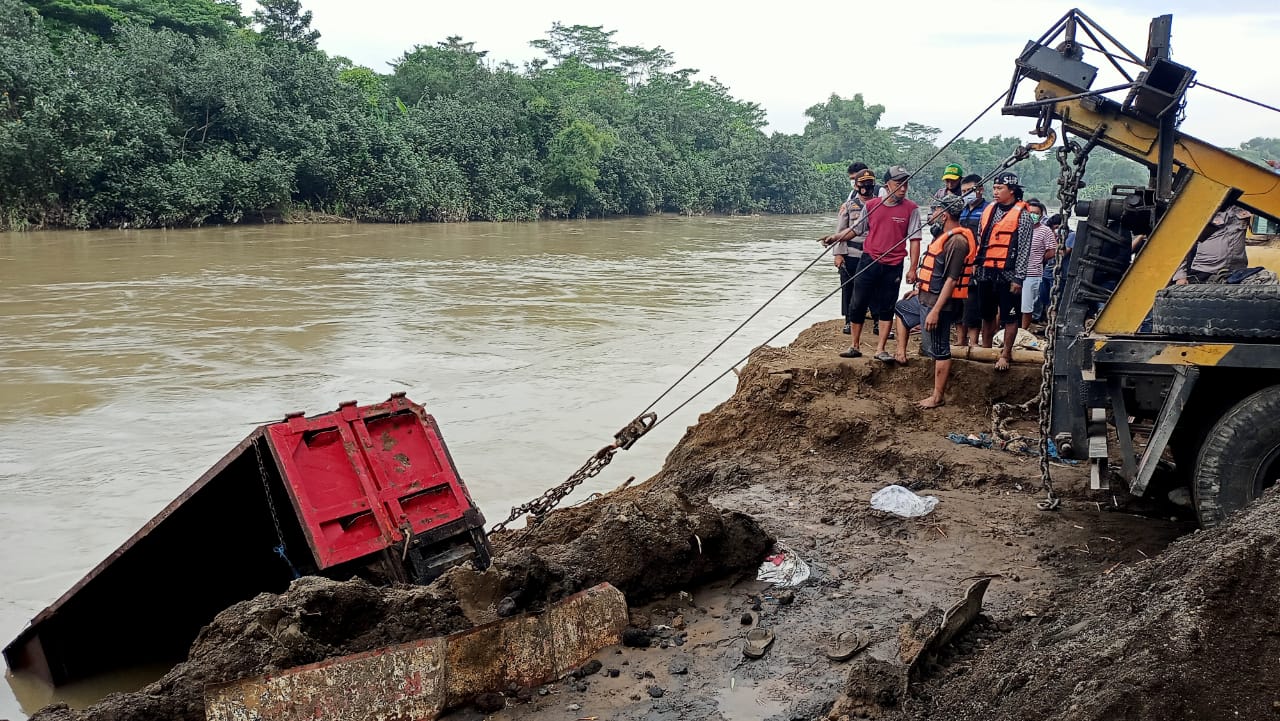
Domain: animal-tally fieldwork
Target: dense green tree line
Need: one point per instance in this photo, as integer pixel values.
(178, 112)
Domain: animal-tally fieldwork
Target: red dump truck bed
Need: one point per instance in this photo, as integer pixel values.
(365, 491)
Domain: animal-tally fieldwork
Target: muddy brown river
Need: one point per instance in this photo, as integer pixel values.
(131, 361)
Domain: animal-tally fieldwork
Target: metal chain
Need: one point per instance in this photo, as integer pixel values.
(1069, 179)
(282, 550)
(551, 498)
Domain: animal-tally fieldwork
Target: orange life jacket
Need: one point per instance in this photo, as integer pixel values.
(996, 253)
(932, 275)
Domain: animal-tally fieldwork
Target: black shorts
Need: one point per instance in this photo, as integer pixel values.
(875, 287)
(936, 343)
(989, 299)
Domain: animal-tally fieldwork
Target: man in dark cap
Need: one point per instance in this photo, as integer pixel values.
(848, 247)
(1004, 237)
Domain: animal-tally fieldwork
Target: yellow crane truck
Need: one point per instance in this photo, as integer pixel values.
(1198, 365)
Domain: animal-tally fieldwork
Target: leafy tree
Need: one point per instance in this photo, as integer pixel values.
(208, 18)
(284, 21)
(147, 119)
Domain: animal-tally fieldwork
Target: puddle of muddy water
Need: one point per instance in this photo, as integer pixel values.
(745, 699)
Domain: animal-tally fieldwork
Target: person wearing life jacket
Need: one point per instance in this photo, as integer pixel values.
(1004, 244)
(942, 284)
(971, 191)
(847, 245)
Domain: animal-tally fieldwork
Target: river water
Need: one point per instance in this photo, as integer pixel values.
(131, 361)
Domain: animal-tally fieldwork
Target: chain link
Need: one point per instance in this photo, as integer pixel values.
(282, 550)
(1069, 181)
(540, 506)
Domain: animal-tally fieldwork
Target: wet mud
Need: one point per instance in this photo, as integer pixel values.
(794, 456)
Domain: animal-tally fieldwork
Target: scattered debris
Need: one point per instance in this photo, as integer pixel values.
(901, 501)
(783, 568)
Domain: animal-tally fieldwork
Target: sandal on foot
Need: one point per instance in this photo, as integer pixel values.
(884, 357)
(757, 642)
(847, 645)
(851, 353)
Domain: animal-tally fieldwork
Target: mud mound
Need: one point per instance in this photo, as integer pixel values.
(646, 541)
(1190, 634)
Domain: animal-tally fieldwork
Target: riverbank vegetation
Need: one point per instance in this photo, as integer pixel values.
(146, 113)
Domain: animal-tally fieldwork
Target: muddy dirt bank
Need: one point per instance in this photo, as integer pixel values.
(794, 455)
(801, 446)
(1189, 634)
(645, 540)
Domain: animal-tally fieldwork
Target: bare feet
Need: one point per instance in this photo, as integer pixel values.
(900, 359)
(932, 402)
(1002, 364)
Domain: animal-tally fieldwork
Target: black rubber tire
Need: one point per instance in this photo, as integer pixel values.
(1240, 457)
(1218, 311)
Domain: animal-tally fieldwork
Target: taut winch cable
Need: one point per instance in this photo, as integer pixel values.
(647, 420)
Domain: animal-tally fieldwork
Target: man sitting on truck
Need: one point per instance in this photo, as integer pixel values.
(1220, 252)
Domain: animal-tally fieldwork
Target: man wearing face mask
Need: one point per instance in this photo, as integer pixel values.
(893, 230)
(974, 204)
(1004, 236)
(848, 245)
(1041, 241)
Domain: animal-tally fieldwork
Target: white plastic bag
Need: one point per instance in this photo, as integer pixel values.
(783, 568)
(902, 502)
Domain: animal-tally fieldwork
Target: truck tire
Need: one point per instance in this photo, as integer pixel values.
(1218, 311)
(1240, 457)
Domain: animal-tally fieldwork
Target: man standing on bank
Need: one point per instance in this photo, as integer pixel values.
(943, 285)
(848, 247)
(892, 230)
(1004, 237)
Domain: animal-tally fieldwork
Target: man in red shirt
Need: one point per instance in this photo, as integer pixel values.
(892, 230)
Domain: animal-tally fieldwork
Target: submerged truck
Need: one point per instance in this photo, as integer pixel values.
(362, 491)
(1145, 370)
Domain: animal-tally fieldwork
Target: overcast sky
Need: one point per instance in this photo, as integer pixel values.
(937, 63)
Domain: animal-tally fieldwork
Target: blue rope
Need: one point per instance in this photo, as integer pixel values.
(280, 552)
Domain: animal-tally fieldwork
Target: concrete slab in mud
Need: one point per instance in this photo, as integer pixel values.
(422, 679)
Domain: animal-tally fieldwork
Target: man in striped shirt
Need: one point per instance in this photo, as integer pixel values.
(1043, 244)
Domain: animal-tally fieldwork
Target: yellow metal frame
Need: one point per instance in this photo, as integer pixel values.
(1174, 354)
(1216, 177)
(1190, 213)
